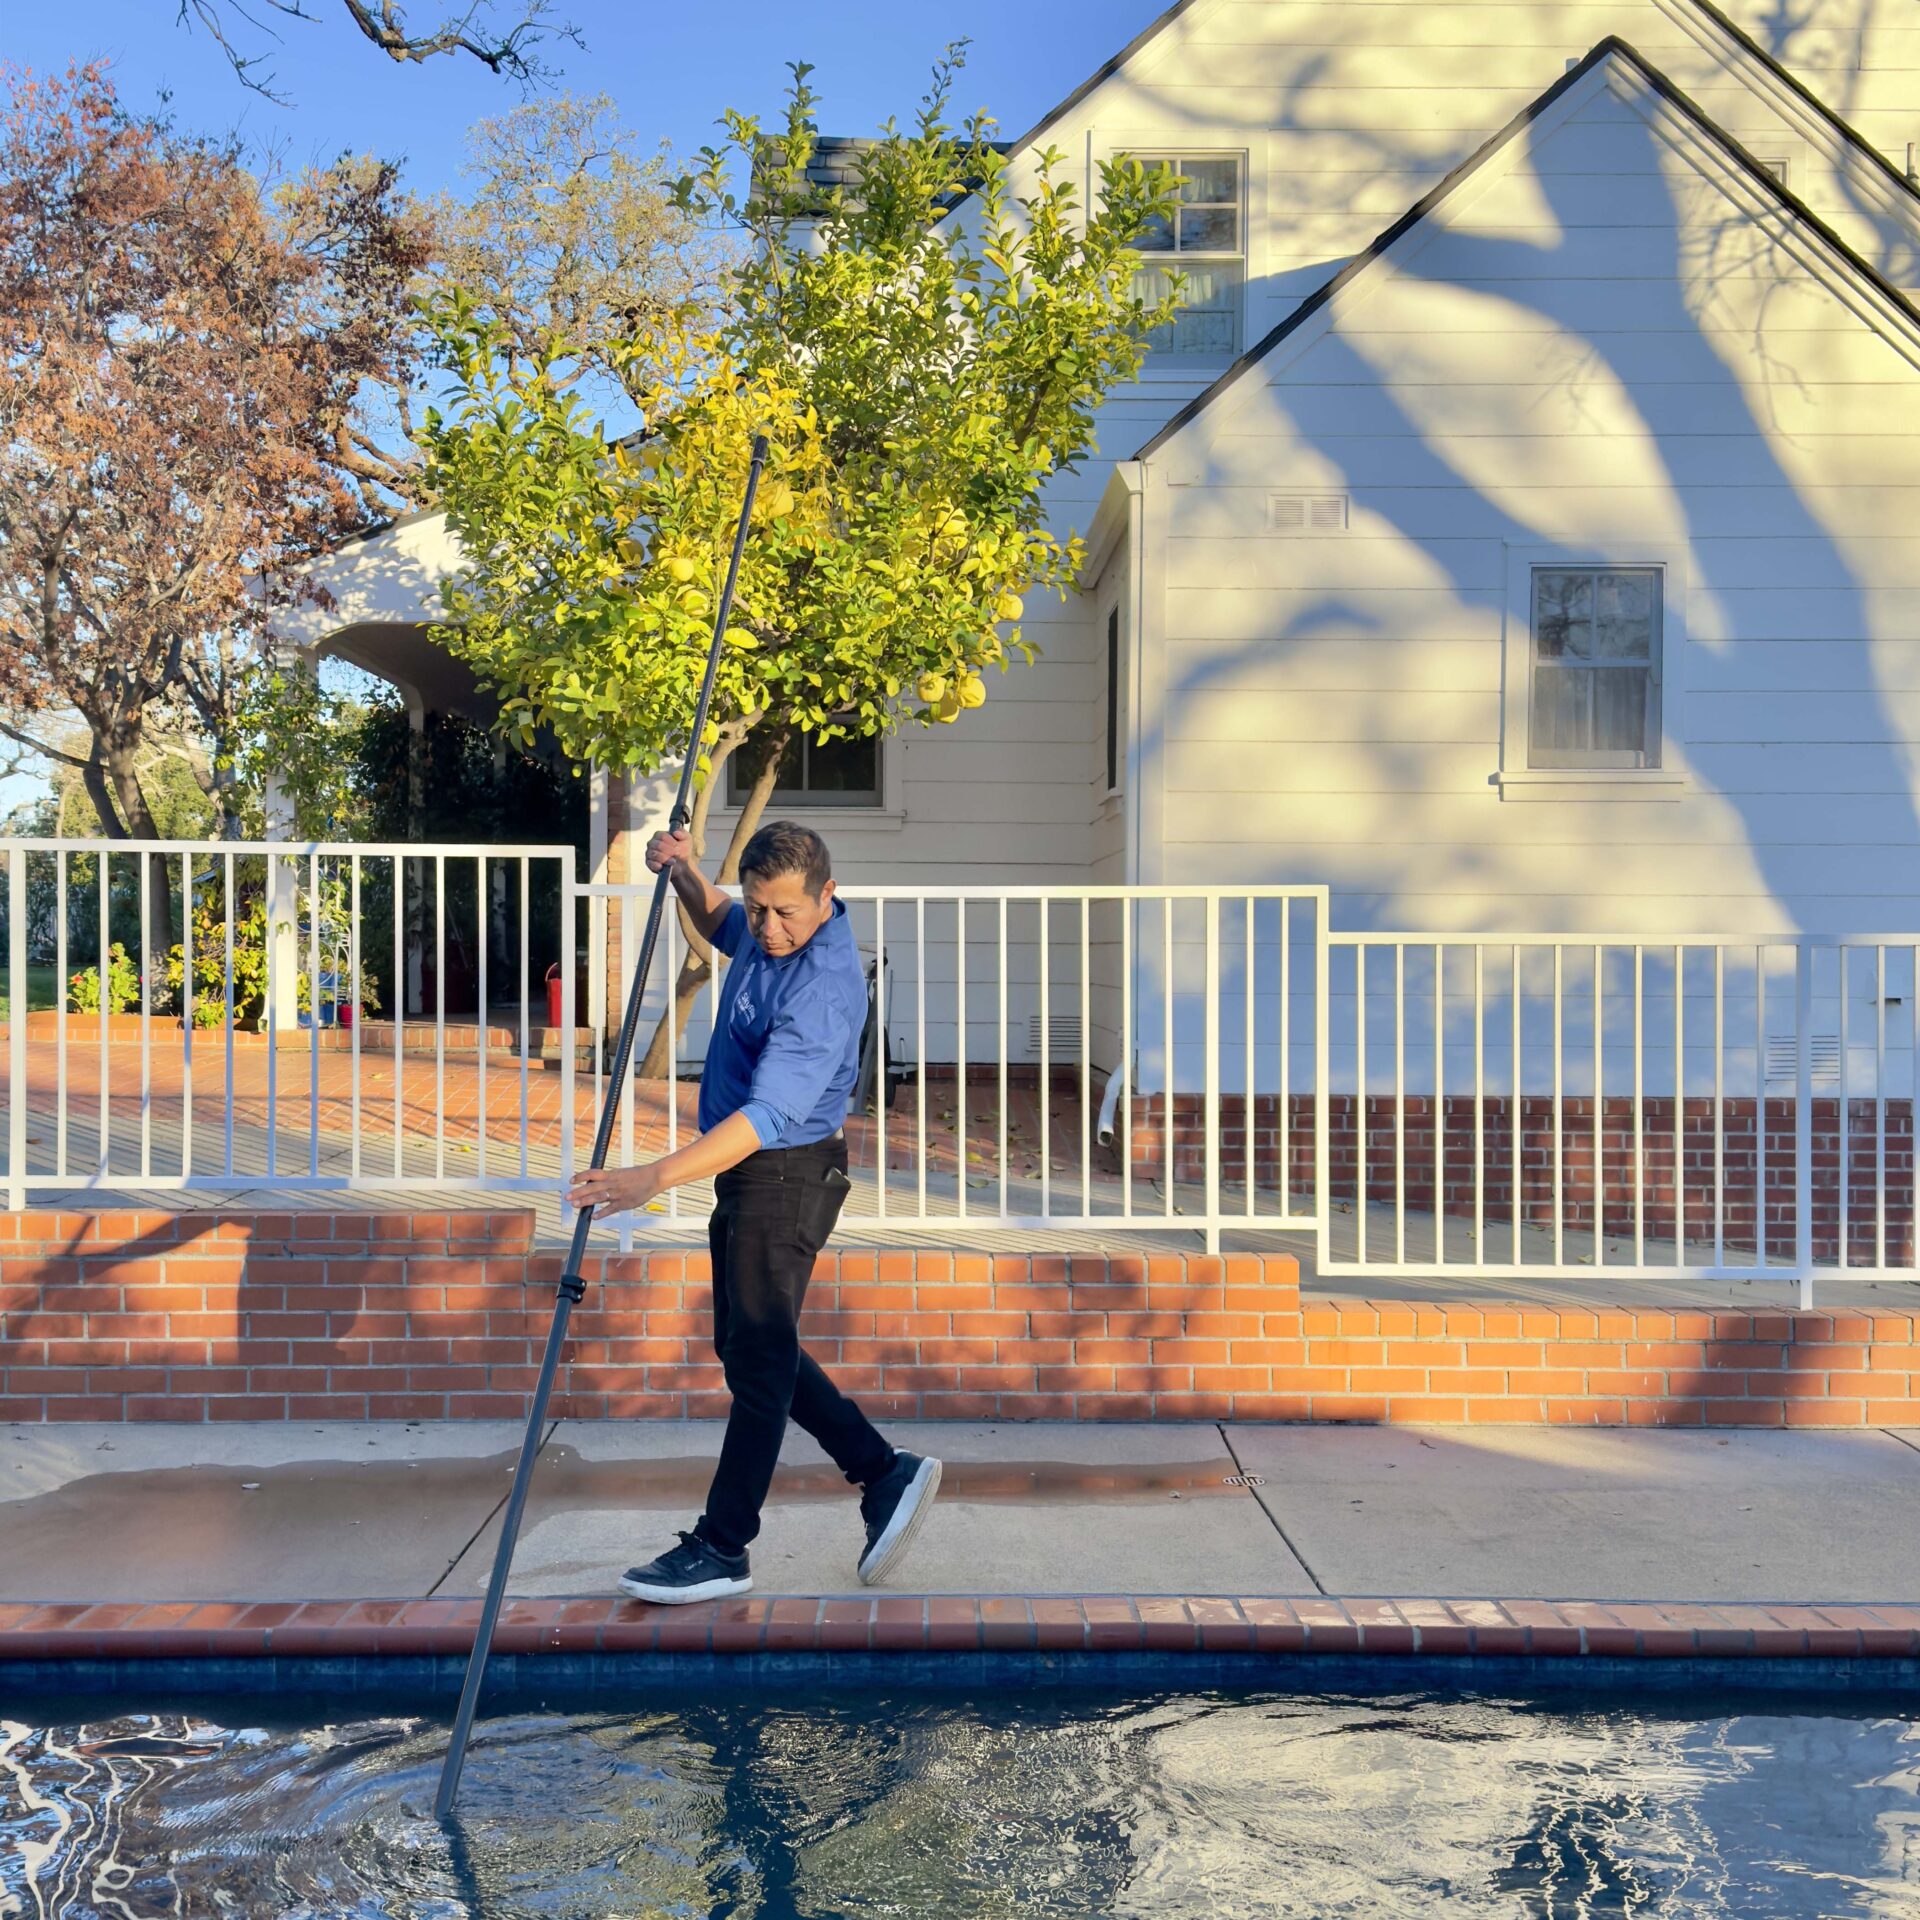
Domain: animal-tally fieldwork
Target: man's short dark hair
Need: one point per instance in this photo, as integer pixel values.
(785, 846)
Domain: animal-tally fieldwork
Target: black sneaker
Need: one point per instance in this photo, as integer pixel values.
(893, 1508)
(694, 1570)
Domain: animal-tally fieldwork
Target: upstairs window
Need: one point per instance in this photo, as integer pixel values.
(1203, 239)
(1594, 699)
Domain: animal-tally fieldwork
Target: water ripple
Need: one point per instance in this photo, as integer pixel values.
(1042, 1807)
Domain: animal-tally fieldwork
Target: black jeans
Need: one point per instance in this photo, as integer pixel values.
(772, 1215)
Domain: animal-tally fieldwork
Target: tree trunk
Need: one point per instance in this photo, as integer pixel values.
(696, 969)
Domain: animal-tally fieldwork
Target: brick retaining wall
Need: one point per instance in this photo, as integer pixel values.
(1450, 1172)
(124, 1316)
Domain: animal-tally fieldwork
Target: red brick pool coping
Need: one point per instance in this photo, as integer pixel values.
(1567, 1629)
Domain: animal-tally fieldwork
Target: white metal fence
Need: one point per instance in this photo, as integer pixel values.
(410, 1019)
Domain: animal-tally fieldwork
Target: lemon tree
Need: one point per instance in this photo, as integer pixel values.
(925, 348)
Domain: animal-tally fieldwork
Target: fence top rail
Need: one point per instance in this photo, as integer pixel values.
(292, 849)
(1613, 942)
(630, 890)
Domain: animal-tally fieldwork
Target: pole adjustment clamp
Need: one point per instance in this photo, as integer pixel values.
(573, 1287)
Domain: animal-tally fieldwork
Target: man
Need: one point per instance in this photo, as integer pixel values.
(780, 1068)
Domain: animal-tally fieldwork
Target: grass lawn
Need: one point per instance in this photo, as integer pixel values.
(42, 989)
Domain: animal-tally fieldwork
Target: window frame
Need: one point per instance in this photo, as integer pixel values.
(845, 801)
(1159, 152)
(1515, 774)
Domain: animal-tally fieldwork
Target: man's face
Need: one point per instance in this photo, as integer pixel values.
(781, 914)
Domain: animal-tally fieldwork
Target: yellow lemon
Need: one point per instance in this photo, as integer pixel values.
(1008, 607)
(681, 568)
(972, 690)
(947, 708)
(780, 502)
(692, 600)
(932, 688)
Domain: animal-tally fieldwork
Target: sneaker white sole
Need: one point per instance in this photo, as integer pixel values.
(905, 1523)
(676, 1596)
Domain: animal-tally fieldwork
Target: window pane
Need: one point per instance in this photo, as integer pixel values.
(1209, 229)
(1623, 607)
(744, 768)
(1156, 236)
(1560, 716)
(1209, 319)
(1562, 614)
(1209, 180)
(843, 766)
(1620, 709)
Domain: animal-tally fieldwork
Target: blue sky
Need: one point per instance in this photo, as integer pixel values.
(670, 68)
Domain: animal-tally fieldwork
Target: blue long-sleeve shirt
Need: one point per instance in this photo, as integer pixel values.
(785, 1049)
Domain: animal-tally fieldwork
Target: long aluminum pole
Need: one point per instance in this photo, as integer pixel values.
(572, 1287)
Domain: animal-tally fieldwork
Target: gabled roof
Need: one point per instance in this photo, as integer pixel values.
(1611, 48)
(1705, 8)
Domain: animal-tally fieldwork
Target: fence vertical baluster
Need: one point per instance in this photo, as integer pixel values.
(526, 986)
(1516, 1120)
(481, 1035)
(1283, 1179)
(1679, 1105)
(1166, 1034)
(60, 1009)
(1845, 1253)
(1913, 1101)
(1360, 954)
(1803, 1121)
(228, 995)
(920, 1024)
(398, 1002)
(1479, 1102)
(960, 1054)
(1559, 1106)
(1639, 1109)
(1762, 1250)
(1086, 1059)
(440, 1016)
(1210, 1068)
(1880, 1107)
(146, 1016)
(101, 938)
(1439, 1103)
(17, 1027)
(1126, 1067)
(355, 1001)
(1599, 1104)
(1400, 1103)
(569, 1010)
(1719, 1104)
(314, 917)
(624, 1093)
(1323, 1072)
(882, 1085)
(188, 953)
(1251, 1080)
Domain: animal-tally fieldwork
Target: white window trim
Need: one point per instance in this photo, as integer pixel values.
(1515, 779)
(1185, 369)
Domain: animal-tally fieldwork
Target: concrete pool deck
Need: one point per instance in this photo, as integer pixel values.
(364, 1539)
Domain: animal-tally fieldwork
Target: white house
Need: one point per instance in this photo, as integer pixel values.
(1521, 528)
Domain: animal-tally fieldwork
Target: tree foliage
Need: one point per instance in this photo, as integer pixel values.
(181, 359)
(925, 348)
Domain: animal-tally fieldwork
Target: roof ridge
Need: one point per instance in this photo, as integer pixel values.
(1612, 47)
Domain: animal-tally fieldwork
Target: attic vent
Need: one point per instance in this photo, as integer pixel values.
(1774, 164)
(1063, 1032)
(1783, 1062)
(1306, 512)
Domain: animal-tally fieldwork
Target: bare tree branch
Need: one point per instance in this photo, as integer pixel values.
(514, 54)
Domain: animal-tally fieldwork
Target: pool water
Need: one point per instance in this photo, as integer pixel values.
(1035, 1805)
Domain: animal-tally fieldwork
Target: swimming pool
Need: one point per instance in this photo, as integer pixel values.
(1171, 1803)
